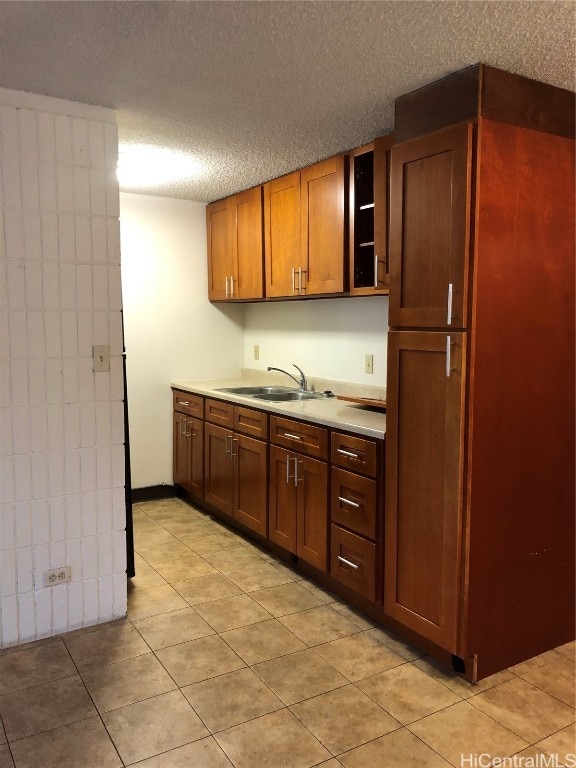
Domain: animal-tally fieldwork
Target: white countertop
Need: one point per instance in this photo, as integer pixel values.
(329, 412)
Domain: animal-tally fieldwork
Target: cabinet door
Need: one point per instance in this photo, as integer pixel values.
(424, 457)
(196, 457)
(430, 230)
(251, 482)
(282, 235)
(218, 468)
(382, 159)
(322, 226)
(312, 519)
(219, 243)
(247, 253)
(180, 444)
(282, 499)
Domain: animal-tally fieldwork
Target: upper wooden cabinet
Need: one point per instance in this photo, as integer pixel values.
(430, 229)
(234, 234)
(304, 231)
(369, 217)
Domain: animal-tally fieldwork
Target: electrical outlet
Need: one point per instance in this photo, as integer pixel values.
(57, 576)
(101, 358)
(369, 364)
(256, 351)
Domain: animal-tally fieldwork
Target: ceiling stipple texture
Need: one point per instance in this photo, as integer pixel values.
(257, 89)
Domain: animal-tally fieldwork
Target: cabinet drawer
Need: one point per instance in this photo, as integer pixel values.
(354, 502)
(354, 453)
(353, 562)
(304, 438)
(185, 402)
(251, 422)
(219, 412)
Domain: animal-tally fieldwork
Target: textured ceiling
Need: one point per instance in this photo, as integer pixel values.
(257, 89)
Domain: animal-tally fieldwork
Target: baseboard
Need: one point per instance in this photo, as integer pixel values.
(152, 493)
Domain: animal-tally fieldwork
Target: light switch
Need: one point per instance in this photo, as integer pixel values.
(101, 357)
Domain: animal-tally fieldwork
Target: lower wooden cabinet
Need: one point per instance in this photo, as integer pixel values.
(188, 453)
(426, 390)
(353, 561)
(236, 476)
(298, 505)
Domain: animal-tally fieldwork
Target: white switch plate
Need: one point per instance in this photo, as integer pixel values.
(101, 357)
(256, 351)
(369, 364)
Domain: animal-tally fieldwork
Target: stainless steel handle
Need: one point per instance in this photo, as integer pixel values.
(349, 454)
(229, 445)
(291, 436)
(375, 270)
(231, 286)
(227, 291)
(288, 475)
(232, 441)
(184, 402)
(450, 291)
(347, 501)
(296, 478)
(348, 562)
(448, 367)
(186, 425)
(293, 279)
(182, 427)
(299, 279)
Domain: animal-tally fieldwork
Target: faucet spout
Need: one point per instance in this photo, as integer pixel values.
(302, 383)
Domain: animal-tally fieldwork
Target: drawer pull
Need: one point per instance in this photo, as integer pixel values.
(348, 562)
(184, 402)
(348, 454)
(291, 436)
(347, 501)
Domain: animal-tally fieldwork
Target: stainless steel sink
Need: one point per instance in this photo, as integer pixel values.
(255, 391)
(281, 397)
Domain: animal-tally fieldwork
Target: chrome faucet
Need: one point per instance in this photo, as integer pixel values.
(303, 384)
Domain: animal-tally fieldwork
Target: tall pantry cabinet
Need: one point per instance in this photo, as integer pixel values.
(479, 535)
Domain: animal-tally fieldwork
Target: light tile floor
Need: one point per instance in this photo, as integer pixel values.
(228, 657)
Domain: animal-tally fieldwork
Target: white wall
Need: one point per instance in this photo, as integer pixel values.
(62, 429)
(172, 332)
(328, 338)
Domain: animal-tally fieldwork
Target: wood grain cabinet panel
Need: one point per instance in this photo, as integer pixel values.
(282, 235)
(298, 508)
(353, 561)
(322, 226)
(250, 458)
(304, 438)
(186, 402)
(188, 444)
(304, 244)
(218, 468)
(353, 502)
(235, 247)
(356, 454)
(219, 242)
(424, 464)
(430, 230)
(237, 476)
(219, 412)
(251, 422)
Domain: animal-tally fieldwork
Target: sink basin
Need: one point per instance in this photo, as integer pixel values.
(281, 397)
(255, 391)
